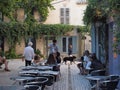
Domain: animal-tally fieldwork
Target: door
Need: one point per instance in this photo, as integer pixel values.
(69, 40)
(103, 43)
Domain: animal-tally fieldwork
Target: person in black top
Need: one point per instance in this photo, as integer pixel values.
(80, 65)
(95, 63)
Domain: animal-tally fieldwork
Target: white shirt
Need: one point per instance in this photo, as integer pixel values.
(28, 53)
(88, 65)
(87, 62)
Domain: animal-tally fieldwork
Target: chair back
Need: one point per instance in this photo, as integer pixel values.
(109, 85)
(98, 73)
(114, 77)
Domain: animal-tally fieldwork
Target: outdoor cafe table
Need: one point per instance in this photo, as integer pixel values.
(98, 79)
(22, 79)
(36, 68)
(39, 72)
(16, 87)
(12, 87)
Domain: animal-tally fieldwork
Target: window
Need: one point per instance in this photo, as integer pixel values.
(64, 45)
(81, 2)
(67, 41)
(64, 15)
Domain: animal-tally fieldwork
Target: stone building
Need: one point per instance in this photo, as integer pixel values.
(66, 12)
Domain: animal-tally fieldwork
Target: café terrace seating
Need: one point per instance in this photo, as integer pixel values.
(37, 77)
(100, 81)
(109, 82)
(100, 72)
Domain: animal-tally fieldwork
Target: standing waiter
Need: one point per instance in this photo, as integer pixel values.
(28, 54)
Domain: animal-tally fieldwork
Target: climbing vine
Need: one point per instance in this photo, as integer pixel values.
(101, 11)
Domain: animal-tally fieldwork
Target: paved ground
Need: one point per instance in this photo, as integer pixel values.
(14, 66)
(69, 80)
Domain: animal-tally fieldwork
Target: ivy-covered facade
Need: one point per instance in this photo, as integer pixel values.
(105, 31)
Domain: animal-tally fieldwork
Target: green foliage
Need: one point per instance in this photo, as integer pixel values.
(38, 52)
(96, 11)
(99, 11)
(8, 7)
(10, 54)
(14, 32)
(114, 4)
(42, 6)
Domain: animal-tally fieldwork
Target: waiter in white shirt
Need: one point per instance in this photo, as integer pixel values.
(28, 54)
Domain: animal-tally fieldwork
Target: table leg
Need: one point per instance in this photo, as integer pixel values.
(97, 86)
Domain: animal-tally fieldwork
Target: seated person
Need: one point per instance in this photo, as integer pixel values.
(36, 60)
(95, 63)
(58, 58)
(80, 66)
(51, 60)
(4, 61)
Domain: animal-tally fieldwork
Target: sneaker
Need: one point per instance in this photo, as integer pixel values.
(7, 69)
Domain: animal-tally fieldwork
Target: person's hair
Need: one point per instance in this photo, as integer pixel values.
(36, 57)
(54, 41)
(86, 52)
(58, 54)
(82, 58)
(93, 56)
(51, 59)
(30, 43)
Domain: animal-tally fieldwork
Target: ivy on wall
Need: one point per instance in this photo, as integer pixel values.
(100, 11)
(14, 32)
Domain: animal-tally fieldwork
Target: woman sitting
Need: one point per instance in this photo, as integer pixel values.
(3, 60)
(36, 60)
(51, 60)
(95, 63)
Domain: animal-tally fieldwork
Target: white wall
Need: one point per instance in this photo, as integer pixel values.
(76, 12)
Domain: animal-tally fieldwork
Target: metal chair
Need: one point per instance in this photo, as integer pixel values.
(114, 77)
(98, 72)
(51, 78)
(109, 84)
(32, 87)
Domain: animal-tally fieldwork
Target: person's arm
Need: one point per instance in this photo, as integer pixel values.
(23, 56)
(49, 46)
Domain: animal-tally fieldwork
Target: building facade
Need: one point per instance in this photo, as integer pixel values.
(69, 12)
(66, 12)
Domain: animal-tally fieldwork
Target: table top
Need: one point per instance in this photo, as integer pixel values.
(12, 87)
(36, 67)
(39, 72)
(19, 78)
(96, 77)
